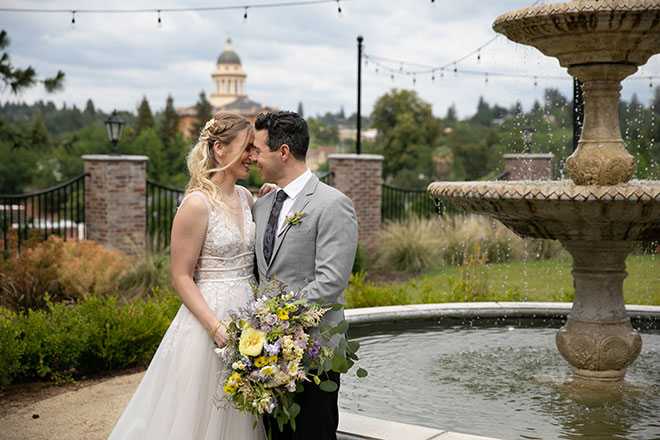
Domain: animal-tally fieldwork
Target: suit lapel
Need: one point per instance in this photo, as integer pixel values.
(299, 205)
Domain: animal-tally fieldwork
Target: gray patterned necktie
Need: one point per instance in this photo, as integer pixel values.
(271, 226)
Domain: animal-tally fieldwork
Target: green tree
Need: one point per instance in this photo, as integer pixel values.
(484, 114)
(300, 110)
(204, 112)
(168, 127)
(145, 119)
(19, 79)
(407, 135)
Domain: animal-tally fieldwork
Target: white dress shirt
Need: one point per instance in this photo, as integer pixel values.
(292, 190)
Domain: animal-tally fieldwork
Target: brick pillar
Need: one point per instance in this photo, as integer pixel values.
(359, 176)
(115, 201)
(528, 166)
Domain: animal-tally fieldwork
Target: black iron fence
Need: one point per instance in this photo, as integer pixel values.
(59, 210)
(399, 203)
(325, 177)
(162, 203)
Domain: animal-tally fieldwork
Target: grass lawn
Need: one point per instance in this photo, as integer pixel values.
(551, 280)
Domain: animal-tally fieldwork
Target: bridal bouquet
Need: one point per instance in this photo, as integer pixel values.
(269, 354)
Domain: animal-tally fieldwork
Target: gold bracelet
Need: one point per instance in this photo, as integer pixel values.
(215, 328)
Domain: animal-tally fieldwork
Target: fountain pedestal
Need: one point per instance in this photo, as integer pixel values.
(597, 339)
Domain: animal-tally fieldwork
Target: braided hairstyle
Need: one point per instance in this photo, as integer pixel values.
(202, 161)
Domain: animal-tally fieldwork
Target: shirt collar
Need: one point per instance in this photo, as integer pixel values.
(296, 185)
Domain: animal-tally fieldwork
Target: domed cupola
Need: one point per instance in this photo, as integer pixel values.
(228, 78)
(229, 56)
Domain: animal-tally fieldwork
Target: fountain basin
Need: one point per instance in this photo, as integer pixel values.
(599, 226)
(445, 366)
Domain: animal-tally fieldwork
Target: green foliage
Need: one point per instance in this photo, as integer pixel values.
(144, 119)
(96, 335)
(18, 79)
(149, 271)
(204, 112)
(407, 134)
(360, 262)
(361, 293)
(322, 134)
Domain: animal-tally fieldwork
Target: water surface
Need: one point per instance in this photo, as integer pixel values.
(502, 379)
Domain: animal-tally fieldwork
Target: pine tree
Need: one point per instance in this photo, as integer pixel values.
(144, 117)
(300, 110)
(169, 122)
(204, 112)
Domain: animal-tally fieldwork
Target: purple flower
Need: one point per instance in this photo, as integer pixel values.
(266, 328)
(284, 324)
(270, 319)
(273, 349)
(313, 351)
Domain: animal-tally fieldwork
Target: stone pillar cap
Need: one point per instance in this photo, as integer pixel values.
(356, 156)
(115, 158)
(529, 156)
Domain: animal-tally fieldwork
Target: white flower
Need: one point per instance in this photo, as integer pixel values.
(268, 370)
(218, 351)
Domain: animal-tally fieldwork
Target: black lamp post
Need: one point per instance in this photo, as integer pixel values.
(527, 134)
(115, 125)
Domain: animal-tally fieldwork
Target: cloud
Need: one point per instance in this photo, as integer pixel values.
(296, 54)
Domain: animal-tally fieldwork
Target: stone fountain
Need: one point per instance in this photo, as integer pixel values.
(599, 215)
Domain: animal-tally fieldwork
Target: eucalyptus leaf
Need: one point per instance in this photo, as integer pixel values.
(361, 372)
(328, 385)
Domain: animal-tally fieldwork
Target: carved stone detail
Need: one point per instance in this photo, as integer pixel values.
(604, 349)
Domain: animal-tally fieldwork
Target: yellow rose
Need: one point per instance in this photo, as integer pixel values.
(251, 342)
(283, 314)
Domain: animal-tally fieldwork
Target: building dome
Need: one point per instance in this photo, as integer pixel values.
(228, 56)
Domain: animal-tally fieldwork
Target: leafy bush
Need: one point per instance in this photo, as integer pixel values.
(60, 269)
(94, 335)
(362, 293)
(360, 262)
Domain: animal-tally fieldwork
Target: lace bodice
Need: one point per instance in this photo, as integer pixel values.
(226, 256)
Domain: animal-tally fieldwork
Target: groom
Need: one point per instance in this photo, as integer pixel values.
(317, 253)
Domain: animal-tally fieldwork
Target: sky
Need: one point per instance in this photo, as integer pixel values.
(298, 54)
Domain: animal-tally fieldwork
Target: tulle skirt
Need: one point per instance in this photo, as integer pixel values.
(174, 400)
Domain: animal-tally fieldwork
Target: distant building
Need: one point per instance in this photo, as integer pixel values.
(228, 93)
(318, 156)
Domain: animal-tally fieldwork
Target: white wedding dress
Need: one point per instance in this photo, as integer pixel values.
(174, 401)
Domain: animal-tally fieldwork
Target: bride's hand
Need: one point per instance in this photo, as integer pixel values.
(220, 335)
(266, 188)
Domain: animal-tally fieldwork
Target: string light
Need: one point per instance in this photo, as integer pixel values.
(245, 15)
(535, 82)
(73, 19)
(160, 22)
(183, 9)
(486, 77)
(455, 69)
(414, 80)
(479, 56)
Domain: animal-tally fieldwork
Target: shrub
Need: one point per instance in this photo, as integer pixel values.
(360, 262)
(88, 267)
(94, 335)
(410, 246)
(63, 270)
(11, 346)
(149, 271)
(26, 277)
(362, 293)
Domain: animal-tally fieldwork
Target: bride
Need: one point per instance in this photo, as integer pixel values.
(212, 254)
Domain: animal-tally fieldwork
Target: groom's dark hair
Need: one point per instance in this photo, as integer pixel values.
(285, 128)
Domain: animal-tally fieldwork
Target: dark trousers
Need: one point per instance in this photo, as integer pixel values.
(319, 414)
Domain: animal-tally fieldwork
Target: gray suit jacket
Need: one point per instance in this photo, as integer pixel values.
(316, 254)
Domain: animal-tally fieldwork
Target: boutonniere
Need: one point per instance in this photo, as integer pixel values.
(296, 218)
(292, 220)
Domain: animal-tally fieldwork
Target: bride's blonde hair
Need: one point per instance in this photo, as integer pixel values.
(202, 164)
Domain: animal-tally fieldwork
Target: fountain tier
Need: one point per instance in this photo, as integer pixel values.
(598, 225)
(600, 42)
